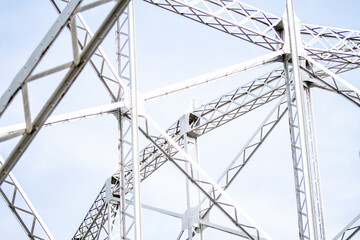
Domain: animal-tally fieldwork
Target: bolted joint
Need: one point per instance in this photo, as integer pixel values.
(121, 112)
(190, 219)
(111, 195)
(188, 124)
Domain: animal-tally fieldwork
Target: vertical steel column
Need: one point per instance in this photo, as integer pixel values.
(197, 160)
(121, 179)
(197, 173)
(188, 194)
(124, 69)
(302, 185)
(120, 45)
(187, 122)
(314, 166)
(298, 120)
(110, 222)
(134, 125)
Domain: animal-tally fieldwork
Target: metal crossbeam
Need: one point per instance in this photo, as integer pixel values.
(233, 17)
(100, 62)
(350, 230)
(18, 129)
(246, 153)
(63, 87)
(206, 184)
(224, 229)
(214, 114)
(22, 209)
(338, 48)
(331, 84)
(213, 76)
(20, 79)
(317, 52)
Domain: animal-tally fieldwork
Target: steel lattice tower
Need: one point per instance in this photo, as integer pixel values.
(301, 57)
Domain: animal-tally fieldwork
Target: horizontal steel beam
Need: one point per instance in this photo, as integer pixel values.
(213, 76)
(18, 129)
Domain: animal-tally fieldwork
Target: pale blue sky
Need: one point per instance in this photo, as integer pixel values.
(64, 168)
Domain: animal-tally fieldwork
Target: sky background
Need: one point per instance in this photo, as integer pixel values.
(65, 167)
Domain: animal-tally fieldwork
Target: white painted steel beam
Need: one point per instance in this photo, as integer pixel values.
(64, 118)
(37, 55)
(225, 229)
(63, 87)
(247, 151)
(350, 230)
(337, 77)
(213, 76)
(35, 229)
(233, 17)
(310, 228)
(252, 230)
(213, 115)
(104, 67)
(333, 85)
(338, 48)
(134, 126)
(339, 56)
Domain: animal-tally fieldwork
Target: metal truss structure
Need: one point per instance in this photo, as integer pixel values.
(311, 56)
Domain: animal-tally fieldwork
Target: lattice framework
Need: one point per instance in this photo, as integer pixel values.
(323, 53)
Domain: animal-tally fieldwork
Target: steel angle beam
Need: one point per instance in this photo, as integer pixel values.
(224, 229)
(23, 209)
(350, 231)
(333, 75)
(99, 61)
(227, 206)
(233, 17)
(331, 84)
(214, 76)
(63, 87)
(246, 153)
(94, 218)
(18, 129)
(214, 114)
(338, 48)
(303, 144)
(37, 55)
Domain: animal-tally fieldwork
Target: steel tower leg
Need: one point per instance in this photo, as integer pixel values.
(315, 169)
(121, 181)
(123, 68)
(191, 218)
(188, 195)
(135, 125)
(197, 159)
(120, 215)
(189, 203)
(301, 169)
(128, 142)
(116, 191)
(303, 144)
